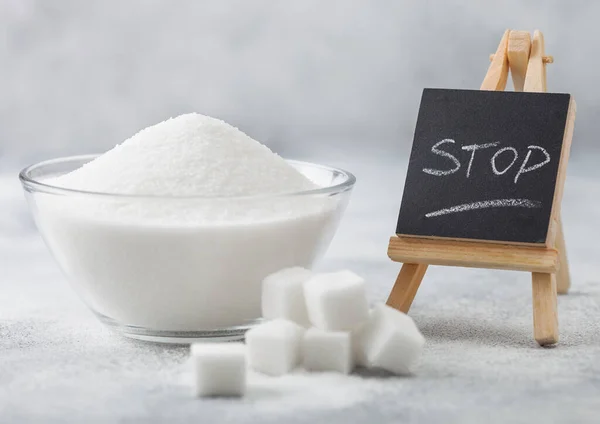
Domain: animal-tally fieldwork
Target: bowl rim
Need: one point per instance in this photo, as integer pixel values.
(32, 184)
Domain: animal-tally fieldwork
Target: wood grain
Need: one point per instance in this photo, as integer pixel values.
(416, 250)
(562, 172)
(548, 264)
(497, 74)
(545, 318)
(563, 279)
(535, 80)
(405, 289)
(519, 47)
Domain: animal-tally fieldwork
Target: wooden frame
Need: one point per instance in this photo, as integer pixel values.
(548, 264)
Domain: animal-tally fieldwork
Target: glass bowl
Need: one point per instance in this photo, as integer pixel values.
(181, 269)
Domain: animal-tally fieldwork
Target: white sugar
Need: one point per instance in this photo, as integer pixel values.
(190, 155)
(297, 393)
(181, 263)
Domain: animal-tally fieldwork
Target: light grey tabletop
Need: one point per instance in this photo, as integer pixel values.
(58, 364)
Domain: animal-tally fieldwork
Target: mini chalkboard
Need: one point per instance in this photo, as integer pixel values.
(485, 181)
(484, 165)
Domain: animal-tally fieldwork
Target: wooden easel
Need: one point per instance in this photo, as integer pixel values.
(548, 265)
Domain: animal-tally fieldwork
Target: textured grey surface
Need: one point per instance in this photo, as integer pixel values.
(338, 81)
(58, 364)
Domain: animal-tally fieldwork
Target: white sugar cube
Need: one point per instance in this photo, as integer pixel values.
(274, 347)
(283, 296)
(336, 301)
(327, 351)
(358, 352)
(391, 340)
(219, 369)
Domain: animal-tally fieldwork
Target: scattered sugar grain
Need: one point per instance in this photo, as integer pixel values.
(302, 391)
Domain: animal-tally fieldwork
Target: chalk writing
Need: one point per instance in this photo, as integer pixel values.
(524, 169)
(498, 153)
(437, 151)
(475, 147)
(485, 204)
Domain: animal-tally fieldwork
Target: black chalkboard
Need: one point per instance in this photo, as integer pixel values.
(484, 165)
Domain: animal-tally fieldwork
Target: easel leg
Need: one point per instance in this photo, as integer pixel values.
(545, 319)
(406, 286)
(563, 280)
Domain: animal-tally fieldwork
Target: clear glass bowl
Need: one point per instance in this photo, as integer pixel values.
(180, 269)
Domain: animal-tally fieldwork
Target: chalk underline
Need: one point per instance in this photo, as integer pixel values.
(486, 204)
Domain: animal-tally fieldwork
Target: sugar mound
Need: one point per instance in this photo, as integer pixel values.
(167, 258)
(190, 155)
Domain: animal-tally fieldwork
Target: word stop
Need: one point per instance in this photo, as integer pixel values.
(500, 155)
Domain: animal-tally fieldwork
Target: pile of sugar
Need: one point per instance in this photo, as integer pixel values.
(165, 261)
(190, 155)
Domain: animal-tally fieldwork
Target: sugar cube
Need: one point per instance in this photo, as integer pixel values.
(358, 353)
(283, 296)
(274, 347)
(336, 301)
(391, 340)
(219, 369)
(327, 351)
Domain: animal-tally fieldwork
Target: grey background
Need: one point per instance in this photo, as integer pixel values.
(302, 76)
(329, 81)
